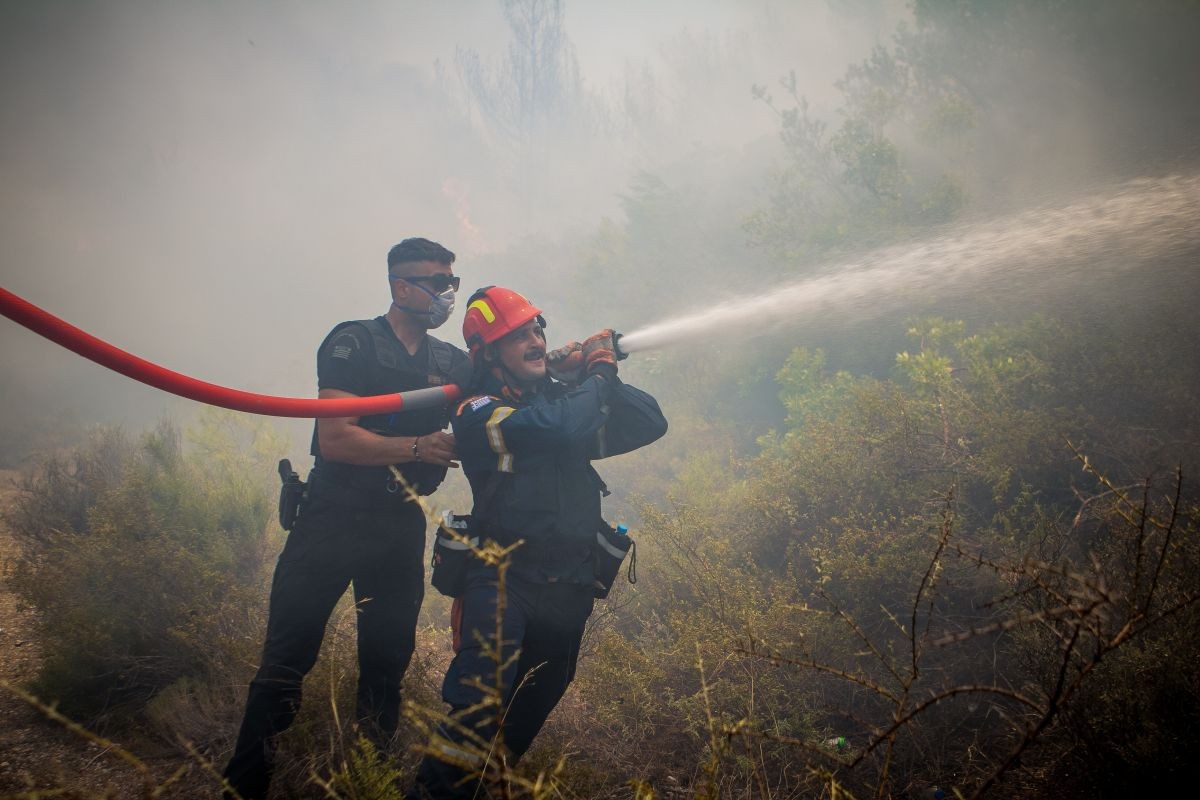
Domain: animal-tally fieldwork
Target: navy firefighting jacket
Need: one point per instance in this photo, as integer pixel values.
(530, 457)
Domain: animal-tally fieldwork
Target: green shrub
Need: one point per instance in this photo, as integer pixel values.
(835, 521)
(143, 557)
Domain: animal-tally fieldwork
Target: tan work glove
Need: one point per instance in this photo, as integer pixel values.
(566, 364)
(600, 354)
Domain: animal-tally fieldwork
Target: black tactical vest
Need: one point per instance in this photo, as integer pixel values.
(392, 371)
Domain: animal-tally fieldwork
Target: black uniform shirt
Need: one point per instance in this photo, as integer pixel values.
(348, 360)
(345, 361)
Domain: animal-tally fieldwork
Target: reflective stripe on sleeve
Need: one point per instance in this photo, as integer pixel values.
(496, 438)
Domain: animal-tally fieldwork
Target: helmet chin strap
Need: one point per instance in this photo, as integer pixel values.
(511, 381)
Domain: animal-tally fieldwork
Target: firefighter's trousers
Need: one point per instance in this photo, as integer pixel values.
(545, 621)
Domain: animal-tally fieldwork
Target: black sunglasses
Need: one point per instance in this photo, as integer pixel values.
(438, 283)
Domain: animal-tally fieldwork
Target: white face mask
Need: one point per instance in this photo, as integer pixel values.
(441, 306)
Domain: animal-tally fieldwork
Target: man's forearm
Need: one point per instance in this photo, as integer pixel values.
(354, 445)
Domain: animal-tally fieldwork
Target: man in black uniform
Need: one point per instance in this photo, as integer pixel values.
(527, 435)
(357, 525)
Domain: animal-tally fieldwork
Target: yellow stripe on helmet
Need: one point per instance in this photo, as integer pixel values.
(484, 309)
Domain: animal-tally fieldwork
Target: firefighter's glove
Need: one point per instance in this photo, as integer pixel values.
(566, 363)
(600, 354)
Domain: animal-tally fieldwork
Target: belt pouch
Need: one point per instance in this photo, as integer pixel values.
(611, 549)
(452, 555)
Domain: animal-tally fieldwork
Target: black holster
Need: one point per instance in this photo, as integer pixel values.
(292, 495)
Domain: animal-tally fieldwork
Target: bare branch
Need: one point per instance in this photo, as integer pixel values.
(1166, 545)
(940, 697)
(887, 664)
(817, 666)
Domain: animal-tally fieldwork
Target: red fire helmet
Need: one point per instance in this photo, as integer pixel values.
(494, 311)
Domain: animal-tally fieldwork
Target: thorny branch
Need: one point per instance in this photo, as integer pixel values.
(1090, 613)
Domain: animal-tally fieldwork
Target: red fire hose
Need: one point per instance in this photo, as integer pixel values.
(63, 333)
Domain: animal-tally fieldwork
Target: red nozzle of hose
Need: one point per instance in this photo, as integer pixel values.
(77, 341)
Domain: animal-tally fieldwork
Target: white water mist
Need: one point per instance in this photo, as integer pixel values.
(1044, 248)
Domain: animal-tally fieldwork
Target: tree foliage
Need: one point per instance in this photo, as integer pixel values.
(977, 102)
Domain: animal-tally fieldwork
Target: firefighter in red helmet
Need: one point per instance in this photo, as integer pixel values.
(526, 435)
(493, 312)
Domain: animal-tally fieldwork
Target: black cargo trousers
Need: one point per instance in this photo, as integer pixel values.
(381, 551)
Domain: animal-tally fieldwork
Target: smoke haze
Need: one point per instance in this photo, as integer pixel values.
(212, 186)
(915, 283)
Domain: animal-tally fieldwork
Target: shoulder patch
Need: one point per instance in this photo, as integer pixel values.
(344, 345)
(474, 403)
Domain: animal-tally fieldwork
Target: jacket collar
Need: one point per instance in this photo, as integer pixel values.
(495, 383)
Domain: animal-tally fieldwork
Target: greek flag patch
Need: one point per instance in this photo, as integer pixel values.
(480, 402)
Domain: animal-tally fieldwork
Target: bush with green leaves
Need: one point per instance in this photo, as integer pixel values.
(778, 592)
(145, 561)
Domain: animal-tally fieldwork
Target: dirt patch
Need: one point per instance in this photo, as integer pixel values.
(39, 754)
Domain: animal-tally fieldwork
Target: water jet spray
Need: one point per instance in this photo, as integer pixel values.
(1111, 232)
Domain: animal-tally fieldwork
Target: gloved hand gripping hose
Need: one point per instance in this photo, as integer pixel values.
(106, 355)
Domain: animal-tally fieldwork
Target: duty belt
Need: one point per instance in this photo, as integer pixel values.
(381, 499)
